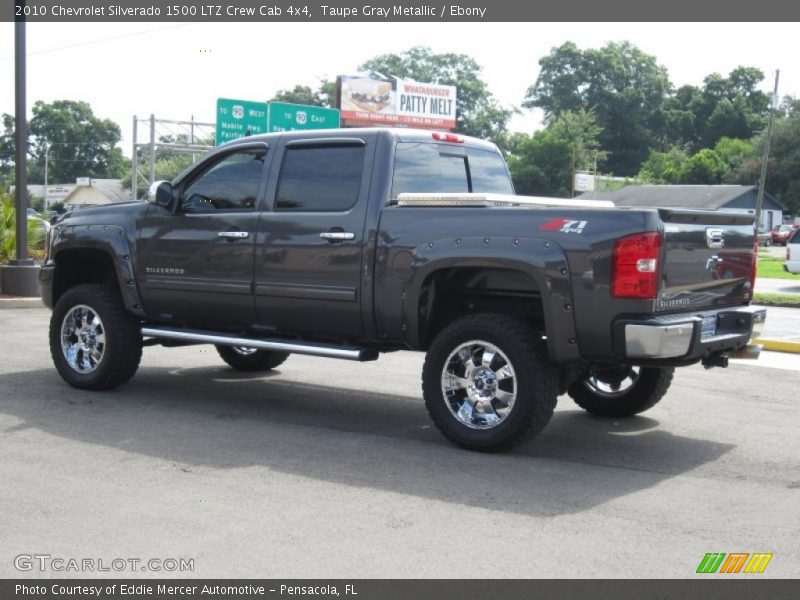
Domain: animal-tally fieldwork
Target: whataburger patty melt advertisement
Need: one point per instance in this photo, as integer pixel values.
(366, 101)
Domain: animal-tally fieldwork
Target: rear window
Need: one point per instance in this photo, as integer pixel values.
(435, 168)
(795, 237)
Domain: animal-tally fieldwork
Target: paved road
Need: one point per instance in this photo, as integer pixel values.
(778, 286)
(331, 469)
(782, 324)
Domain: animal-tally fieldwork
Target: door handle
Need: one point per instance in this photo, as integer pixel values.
(337, 236)
(235, 235)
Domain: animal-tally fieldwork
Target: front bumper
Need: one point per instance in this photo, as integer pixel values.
(686, 338)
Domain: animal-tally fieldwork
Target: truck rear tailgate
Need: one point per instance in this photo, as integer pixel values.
(708, 259)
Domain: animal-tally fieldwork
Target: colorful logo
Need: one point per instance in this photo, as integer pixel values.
(734, 562)
(564, 226)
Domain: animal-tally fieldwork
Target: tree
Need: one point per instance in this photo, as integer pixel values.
(540, 164)
(625, 88)
(704, 168)
(783, 169)
(80, 144)
(7, 157)
(302, 94)
(730, 106)
(580, 131)
(543, 164)
(738, 156)
(477, 111)
(664, 167)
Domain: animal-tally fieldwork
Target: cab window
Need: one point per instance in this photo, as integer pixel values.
(229, 184)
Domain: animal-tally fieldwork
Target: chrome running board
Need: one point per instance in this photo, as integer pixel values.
(309, 348)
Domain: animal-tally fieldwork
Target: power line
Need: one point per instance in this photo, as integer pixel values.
(99, 41)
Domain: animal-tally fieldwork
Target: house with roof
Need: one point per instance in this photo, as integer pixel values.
(731, 198)
(96, 191)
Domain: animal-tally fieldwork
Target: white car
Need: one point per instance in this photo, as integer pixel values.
(792, 264)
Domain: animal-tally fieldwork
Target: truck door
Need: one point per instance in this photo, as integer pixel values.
(196, 265)
(309, 246)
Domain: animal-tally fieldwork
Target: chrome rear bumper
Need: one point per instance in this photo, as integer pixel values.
(682, 337)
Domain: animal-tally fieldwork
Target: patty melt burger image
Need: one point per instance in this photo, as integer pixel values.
(370, 95)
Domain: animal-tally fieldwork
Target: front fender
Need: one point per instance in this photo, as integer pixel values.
(113, 241)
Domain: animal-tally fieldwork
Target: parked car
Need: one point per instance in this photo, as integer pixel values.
(781, 234)
(792, 264)
(764, 237)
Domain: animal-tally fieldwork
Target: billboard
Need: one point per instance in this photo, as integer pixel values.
(396, 102)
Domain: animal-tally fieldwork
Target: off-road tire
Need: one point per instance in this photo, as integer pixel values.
(536, 379)
(122, 350)
(260, 360)
(650, 387)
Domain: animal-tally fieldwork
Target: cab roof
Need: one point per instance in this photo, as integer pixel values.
(400, 134)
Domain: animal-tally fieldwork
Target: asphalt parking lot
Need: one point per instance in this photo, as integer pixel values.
(332, 469)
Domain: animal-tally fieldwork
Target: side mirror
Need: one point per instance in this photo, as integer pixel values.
(160, 193)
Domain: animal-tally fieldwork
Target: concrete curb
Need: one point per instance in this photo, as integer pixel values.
(11, 302)
(779, 345)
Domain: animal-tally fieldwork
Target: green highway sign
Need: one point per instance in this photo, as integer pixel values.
(292, 117)
(239, 118)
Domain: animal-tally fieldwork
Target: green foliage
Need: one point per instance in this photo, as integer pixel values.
(325, 96)
(739, 159)
(706, 167)
(664, 167)
(730, 106)
(81, 144)
(58, 207)
(625, 87)
(540, 164)
(8, 231)
(783, 169)
(477, 111)
(581, 132)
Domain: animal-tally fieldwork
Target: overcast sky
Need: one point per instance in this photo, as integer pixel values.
(176, 71)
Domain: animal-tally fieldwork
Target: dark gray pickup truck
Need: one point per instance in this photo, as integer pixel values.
(349, 243)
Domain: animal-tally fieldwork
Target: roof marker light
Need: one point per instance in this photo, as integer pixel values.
(448, 137)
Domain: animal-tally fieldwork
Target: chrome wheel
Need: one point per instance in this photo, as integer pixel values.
(479, 384)
(613, 383)
(244, 350)
(83, 339)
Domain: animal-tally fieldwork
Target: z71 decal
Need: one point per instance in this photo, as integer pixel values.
(564, 226)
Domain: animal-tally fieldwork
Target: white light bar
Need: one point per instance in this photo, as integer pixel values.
(495, 200)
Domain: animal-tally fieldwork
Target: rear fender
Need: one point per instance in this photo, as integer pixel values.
(542, 260)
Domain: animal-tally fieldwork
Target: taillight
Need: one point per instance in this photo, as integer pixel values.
(754, 266)
(634, 271)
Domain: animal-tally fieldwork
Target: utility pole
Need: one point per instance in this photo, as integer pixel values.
(135, 163)
(762, 180)
(22, 145)
(46, 160)
(20, 277)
